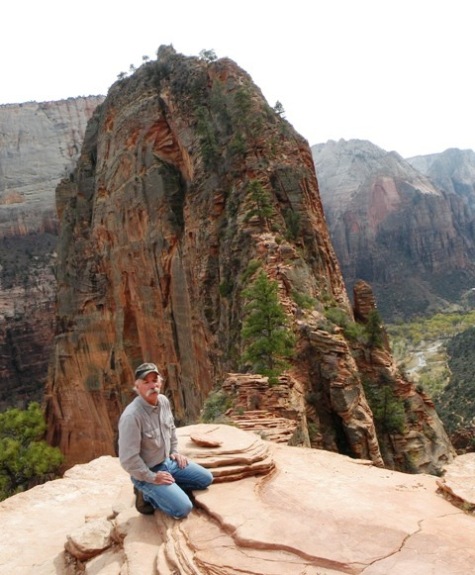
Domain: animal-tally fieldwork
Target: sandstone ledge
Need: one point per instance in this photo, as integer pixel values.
(316, 512)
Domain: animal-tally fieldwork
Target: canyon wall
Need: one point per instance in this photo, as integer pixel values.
(405, 226)
(39, 145)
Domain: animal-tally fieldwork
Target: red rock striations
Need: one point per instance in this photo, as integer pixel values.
(158, 228)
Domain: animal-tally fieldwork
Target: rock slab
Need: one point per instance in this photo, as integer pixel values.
(315, 513)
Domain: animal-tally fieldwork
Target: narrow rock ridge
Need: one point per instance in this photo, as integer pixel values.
(161, 233)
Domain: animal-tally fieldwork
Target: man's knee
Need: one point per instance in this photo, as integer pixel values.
(207, 479)
(183, 511)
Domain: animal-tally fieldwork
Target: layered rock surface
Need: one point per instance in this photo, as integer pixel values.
(452, 170)
(314, 512)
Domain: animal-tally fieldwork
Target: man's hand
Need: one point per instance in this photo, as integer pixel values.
(163, 478)
(180, 459)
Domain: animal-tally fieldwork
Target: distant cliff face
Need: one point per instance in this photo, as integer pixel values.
(160, 235)
(452, 171)
(395, 227)
(39, 145)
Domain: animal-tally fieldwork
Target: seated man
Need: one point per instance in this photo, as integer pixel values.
(148, 450)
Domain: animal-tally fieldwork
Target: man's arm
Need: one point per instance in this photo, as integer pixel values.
(129, 450)
(182, 460)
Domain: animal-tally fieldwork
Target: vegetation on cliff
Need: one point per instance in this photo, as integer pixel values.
(266, 336)
(456, 402)
(25, 459)
(436, 352)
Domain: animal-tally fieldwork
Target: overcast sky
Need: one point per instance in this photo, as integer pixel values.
(397, 73)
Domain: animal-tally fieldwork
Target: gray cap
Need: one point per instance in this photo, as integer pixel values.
(145, 369)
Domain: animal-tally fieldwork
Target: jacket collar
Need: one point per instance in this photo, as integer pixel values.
(146, 405)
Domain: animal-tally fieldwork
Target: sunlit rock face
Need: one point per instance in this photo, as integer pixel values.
(39, 145)
(272, 509)
(161, 232)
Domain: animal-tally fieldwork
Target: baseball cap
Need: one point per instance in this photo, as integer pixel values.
(144, 369)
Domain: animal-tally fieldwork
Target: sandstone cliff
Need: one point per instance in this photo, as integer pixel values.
(406, 232)
(304, 511)
(159, 237)
(39, 145)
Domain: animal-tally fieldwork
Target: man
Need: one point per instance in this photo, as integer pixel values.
(148, 450)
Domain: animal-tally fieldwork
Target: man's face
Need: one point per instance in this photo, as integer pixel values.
(149, 387)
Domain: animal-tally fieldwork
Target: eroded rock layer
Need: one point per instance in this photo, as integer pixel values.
(404, 226)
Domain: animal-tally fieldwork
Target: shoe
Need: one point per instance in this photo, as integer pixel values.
(141, 505)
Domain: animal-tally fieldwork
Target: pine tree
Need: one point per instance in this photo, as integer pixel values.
(25, 459)
(374, 329)
(387, 408)
(266, 336)
(261, 202)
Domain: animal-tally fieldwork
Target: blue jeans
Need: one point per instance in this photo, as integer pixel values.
(172, 499)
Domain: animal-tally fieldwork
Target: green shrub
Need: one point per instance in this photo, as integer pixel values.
(374, 329)
(251, 269)
(303, 300)
(208, 55)
(292, 221)
(388, 411)
(215, 406)
(337, 316)
(25, 459)
(260, 200)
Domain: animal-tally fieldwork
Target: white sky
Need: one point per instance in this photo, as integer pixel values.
(399, 73)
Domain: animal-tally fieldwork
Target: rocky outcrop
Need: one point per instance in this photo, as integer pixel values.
(458, 484)
(162, 230)
(408, 234)
(402, 449)
(275, 412)
(39, 145)
(316, 512)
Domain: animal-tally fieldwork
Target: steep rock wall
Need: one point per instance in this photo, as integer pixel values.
(39, 145)
(160, 234)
